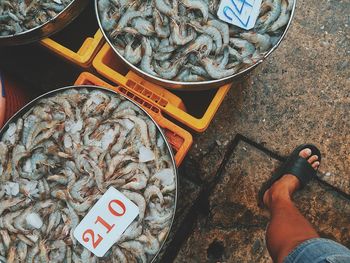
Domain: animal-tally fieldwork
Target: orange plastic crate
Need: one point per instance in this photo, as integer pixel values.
(180, 139)
(106, 63)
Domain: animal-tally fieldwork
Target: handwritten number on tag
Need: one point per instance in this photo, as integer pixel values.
(244, 2)
(228, 10)
(105, 224)
(113, 211)
(106, 221)
(92, 234)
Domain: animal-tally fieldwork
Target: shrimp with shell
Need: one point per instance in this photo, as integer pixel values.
(49, 183)
(161, 36)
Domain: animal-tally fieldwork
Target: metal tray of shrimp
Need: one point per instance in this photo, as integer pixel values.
(153, 225)
(184, 45)
(45, 18)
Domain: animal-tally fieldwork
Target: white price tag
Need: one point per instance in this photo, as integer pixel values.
(241, 13)
(102, 227)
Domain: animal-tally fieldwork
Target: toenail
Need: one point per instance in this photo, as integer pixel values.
(308, 151)
(316, 164)
(313, 159)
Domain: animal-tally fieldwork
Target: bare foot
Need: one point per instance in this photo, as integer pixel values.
(288, 184)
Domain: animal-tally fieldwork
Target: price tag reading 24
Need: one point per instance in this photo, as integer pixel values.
(241, 13)
(102, 227)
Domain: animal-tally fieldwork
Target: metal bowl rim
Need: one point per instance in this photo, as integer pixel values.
(200, 83)
(30, 104)
(23, 33)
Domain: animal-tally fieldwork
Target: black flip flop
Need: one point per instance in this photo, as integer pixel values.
(295, 165)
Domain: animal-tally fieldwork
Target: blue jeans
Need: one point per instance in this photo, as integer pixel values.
(319, 250)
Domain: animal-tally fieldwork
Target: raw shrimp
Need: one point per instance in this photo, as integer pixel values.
(5, 238)
(211, 31)
(261, 41)
(283, 18)
(198, 4)
(215, 71)
(133, 55)
(265, 21)
(247, 49)
(150, 242)
(49, 183)
(138, 182)
(136, 249)
(59, 248)
(223, 29)
(147, 57)
(143, 26)
(139, 200)
(167, 31)
(116, 160)
(170, 72)
(118, 256)
(166, 9)
(3, 153)
(18, 16)
(43, 254)
(132, 232)
(7, 221)
(130, 15)
(81, 207)
(54, 220)
(22, 250)
(161, 25)
(6, 204)
(179, 38)
(203, 44)
(151, 191)
(290, 5)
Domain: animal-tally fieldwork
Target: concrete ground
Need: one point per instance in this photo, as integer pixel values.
(299, 94)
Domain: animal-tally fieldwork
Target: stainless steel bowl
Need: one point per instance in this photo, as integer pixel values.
(27, 107)
(48, 28)
(192, 86)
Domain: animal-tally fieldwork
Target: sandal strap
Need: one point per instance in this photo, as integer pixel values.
(295, 165)
(300, 168)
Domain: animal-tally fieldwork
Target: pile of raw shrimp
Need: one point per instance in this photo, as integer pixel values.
(17, 16)
(183, 40)
(60, 157)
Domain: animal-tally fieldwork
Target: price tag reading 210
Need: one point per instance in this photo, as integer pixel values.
(102, 227)
(241, 13)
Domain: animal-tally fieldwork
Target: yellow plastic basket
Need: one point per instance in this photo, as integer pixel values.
(106, 63)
